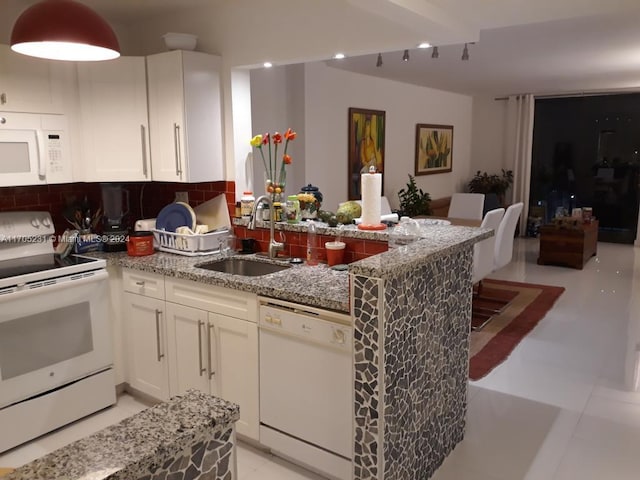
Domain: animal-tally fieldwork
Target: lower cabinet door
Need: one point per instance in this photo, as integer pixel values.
(146, 345)
(234, 345)
(189, 353)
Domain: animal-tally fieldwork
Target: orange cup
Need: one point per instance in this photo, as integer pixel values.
(335, 252)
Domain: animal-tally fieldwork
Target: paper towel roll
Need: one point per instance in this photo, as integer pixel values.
(371, 192)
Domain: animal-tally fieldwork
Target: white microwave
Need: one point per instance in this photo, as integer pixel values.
(34, 149)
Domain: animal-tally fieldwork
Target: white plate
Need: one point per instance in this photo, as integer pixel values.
(175, 215)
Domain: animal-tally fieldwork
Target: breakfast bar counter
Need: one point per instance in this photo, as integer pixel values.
(190, 436)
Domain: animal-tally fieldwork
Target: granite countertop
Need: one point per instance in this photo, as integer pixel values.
(317, 286)
(438, 242)
(153, 435)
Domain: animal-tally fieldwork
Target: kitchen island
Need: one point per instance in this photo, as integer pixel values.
(189, 436)
(410, 309)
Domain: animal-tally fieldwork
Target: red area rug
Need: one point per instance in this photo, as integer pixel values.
(528, 304)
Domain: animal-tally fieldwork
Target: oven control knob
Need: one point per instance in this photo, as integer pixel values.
(46, 222)
(338, 336)
(35, 222)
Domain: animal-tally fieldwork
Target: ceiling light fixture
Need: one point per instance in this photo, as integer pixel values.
(64, 30)
(379, 61)
(267, 64)
(405, 56)
(424, 45)
(435, 53)
(465, 52)
(339, 56)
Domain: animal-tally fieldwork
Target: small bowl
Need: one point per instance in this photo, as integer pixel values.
(180, 41)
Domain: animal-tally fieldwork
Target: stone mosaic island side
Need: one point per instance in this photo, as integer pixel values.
(411, 313)
(190, 436)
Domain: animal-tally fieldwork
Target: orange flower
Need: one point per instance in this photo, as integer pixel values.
(290, 134)
(286, 159)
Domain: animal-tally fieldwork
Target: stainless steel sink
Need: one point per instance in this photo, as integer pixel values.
(242, 266)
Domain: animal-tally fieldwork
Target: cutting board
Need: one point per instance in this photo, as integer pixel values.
(213, 213)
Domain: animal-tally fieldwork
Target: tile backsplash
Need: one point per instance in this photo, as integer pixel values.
(146, 198)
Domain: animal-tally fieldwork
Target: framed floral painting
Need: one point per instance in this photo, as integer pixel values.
(434, 146)
(366, 146)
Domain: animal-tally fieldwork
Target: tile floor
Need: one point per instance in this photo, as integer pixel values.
(564, 406)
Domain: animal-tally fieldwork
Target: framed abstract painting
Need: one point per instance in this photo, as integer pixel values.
(434, 147)
(366, 146)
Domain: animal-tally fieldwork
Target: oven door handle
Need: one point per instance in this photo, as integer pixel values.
(61, 284)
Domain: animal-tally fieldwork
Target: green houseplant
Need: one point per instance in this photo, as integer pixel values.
(413, 201)
(485, 183)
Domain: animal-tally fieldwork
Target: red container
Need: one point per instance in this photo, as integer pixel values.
(140, 243)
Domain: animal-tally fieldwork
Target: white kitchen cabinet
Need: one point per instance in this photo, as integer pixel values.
(214, 352)
(114, 121)
(235, 346)
(30, 84)
(144, 319)
(185, 116)
(187, 350)
(147, 345)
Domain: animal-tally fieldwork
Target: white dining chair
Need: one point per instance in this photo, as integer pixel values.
(503, 252)
(483, 260)
(466, 205)
(483, 251)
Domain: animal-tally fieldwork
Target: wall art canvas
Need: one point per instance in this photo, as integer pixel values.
(366, 146)
(434, 147)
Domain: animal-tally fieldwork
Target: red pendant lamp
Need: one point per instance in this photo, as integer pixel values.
(64, 30)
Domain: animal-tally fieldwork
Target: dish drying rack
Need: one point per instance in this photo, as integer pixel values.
(191, 245)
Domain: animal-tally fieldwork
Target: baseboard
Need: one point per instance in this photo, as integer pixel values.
(141, 396)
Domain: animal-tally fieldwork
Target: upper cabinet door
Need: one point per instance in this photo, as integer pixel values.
(185, 117)
(31, 85)
(115, 128)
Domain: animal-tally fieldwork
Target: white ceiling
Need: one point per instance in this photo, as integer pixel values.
(546, 46)
(597, 53)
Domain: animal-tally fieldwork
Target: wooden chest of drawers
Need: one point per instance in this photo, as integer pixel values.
(568, 247)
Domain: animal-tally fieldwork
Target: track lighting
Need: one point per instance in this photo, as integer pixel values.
(435, 53)
(465, 52)
(405, 56)
(379, 61)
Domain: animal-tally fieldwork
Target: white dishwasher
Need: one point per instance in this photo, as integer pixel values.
(306, 385)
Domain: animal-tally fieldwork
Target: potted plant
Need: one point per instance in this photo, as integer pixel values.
(497, 184)
(413, 201)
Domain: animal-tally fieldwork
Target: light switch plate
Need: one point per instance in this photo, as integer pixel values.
(182, 197)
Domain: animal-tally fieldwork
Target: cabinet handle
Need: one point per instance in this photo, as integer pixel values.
(140, 283)
(3, 98)
(176, 144)
(200, 369)
(211, 371)
(143, 138)
(160, 354)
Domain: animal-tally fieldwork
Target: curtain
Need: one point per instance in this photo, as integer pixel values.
(519, 146)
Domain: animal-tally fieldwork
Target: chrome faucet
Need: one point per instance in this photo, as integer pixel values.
(274, 247)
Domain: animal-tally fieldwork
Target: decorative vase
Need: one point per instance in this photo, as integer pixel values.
(309, 210)
(310, 200)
